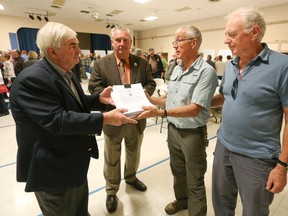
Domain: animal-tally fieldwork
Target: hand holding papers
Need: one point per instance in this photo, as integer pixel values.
(130, 97)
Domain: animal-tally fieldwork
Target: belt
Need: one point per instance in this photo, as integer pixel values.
(195, 130)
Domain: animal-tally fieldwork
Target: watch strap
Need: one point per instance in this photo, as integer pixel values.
(285, 164)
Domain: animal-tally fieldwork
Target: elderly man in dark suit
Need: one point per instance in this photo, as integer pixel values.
(54, 127)
(106, 72)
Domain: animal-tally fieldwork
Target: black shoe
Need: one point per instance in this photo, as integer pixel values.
(138, 185)
(111, 203)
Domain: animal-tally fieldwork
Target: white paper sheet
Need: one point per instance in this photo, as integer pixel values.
(131, 97)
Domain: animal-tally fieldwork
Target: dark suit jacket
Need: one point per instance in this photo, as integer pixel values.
(53, 130)
(105, 73)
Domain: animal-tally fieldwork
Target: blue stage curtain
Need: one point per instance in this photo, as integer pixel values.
(27, 39)
(100, 42)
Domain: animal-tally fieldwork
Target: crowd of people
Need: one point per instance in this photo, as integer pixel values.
(52, 108)
(12, 62)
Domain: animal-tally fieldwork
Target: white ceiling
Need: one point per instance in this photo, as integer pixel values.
(132, 12)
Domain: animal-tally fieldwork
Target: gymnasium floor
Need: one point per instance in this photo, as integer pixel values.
(154, 171)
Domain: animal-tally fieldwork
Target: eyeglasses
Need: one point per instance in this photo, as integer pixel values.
(234, 89)
(179, 41)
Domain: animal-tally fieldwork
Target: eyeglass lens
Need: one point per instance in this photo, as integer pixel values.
(234, 89)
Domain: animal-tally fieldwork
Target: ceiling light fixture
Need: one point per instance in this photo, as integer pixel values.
(142, 1)
(151, 18)
(31, 16)
(94, 14)
(1, 7)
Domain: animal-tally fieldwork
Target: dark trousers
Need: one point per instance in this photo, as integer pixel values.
(3, 105)
(67, 202)
(188, 164)
(156, 75)
(235, 173)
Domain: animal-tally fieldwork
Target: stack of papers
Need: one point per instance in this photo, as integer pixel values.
(131, 97)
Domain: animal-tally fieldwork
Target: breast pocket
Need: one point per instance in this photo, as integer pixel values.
(188, 85)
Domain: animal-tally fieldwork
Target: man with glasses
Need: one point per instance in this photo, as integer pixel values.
(118, 68)
(248, 158)
(191, 88)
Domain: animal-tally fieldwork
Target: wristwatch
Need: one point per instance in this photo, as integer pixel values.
(165, 113)
(285, 164)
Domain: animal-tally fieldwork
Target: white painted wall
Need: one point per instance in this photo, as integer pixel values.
(160, 38)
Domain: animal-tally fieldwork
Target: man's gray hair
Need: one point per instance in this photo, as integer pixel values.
(250, 17)
(192, 32)
(120, 28)
(52, 35)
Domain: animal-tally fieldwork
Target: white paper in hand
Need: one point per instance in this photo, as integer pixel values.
(131, 97)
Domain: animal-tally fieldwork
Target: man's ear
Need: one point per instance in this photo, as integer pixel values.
(51, 52)
(255, 32)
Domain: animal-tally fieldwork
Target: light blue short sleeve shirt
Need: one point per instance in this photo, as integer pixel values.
(196, 85)
(251, 123)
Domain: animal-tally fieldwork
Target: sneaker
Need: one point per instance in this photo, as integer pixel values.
(174, 207)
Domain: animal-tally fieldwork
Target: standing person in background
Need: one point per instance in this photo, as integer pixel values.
(229, 58)
(170, 68)
(55, 130)
(249, 158)
(8, 71)
(156, 64)
(164, 62)
(220, 67)
(187, 104)
(209, 61)
(18, 61)
(3, 106)
(139, 52)
(32, 58)
(121, 67)
(24, 55)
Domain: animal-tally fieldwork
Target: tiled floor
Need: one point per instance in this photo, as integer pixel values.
(154, 171)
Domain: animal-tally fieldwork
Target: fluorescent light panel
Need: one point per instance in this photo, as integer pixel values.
(1, 7)
(142, 1)
(151, 18)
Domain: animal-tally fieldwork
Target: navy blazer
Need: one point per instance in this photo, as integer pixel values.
(105, 73)
(55, 133)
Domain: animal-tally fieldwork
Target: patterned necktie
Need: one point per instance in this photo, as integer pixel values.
(122, 72)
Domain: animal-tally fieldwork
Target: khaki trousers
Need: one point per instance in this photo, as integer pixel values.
(112, 157)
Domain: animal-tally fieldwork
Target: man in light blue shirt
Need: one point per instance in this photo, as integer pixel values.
(191, 88)
(248, 158)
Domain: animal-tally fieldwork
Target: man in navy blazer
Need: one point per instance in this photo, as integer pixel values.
(54, 127)
(106, 72)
